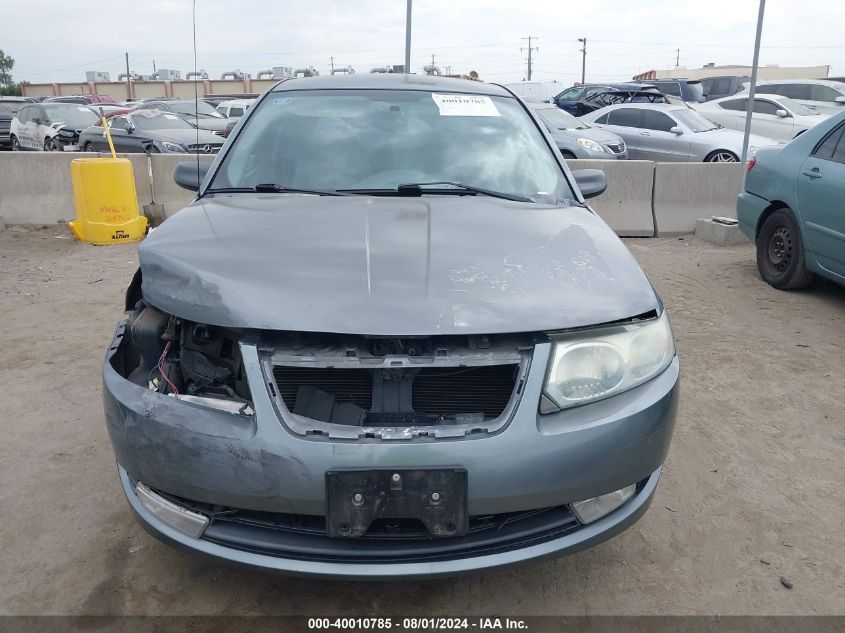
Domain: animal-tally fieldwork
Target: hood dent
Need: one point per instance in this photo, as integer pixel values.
(390, 266)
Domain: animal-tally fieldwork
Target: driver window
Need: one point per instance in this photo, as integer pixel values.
(653, 120)
(765, 107)
(119, 123)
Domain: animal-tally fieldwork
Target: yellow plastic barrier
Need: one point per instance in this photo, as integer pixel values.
(106, 202)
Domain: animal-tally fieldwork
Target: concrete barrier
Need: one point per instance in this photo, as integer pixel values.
(626, 205)
(642, 198)
(167, 192)
(35, 187)
(685, 192)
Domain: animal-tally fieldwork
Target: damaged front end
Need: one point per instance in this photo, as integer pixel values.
(189, 361)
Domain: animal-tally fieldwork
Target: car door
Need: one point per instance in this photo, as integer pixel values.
(821, 200)
(19, 126)
(625, 122)
(732, 115)
(658, 143)
(39, 127)
(118, 126)
(766, 122)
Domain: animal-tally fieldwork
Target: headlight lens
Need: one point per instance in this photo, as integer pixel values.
(172, 147)
(589, 144)
(588, 366)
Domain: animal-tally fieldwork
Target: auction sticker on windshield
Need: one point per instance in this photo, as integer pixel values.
(465, 105)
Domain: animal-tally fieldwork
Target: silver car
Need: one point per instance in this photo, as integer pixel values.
(672, 133)
(576, 139)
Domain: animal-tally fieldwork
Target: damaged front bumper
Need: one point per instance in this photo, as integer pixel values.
(218, 463)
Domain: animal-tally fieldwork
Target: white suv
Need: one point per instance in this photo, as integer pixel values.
(821, 95)
(50, 126)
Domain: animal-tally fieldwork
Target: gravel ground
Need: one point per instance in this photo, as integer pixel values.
(752, 491)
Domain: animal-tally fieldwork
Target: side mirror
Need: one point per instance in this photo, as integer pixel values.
(782, 113)
(189, 174)
(840, 100)
(676, 130)
(591, 182)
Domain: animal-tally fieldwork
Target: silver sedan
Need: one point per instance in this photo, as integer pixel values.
(672, 133)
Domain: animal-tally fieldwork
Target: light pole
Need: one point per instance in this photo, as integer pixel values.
(752, 89)
(583, 40)
(408, 38)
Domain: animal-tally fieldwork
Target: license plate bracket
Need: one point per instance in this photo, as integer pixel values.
(436, 497)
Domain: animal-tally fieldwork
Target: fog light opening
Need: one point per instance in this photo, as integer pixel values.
(190, 523)
(590, 510)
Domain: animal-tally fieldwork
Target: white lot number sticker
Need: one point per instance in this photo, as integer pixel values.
(465, 105)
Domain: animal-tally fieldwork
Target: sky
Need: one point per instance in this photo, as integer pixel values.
(624, 37)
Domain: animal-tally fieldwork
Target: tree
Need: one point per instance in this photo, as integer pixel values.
(7, 85)
(6, 65)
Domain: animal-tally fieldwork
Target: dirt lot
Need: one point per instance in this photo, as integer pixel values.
(753, 488)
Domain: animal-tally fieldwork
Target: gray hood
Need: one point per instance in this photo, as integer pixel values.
(183, 137)
(732, 140)
(390, 266)
(592, 133)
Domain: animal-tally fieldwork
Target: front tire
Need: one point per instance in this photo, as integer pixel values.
(780, 252)
(49, 145)
(16, 144)
(721, 156)
(89, 147)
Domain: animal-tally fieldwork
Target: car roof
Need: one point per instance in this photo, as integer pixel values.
(392, 81)
(822, 82)
(664, 107)
(541, 105)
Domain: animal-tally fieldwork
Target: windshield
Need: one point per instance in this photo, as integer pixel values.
(70, 114)
(797, 108)
(160, 122)
(693, 120)
(378, 139)
(696, 91)
(187, 107)
(561, 119)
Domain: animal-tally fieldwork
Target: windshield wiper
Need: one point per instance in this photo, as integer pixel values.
(416, 189)
(274, 188)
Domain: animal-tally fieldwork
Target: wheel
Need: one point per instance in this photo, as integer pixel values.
(780, 252)
(49, 145)
(89, 147)
(16, 144)
(721, 156)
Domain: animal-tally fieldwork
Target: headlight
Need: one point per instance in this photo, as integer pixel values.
(173, 147)
(588, 366)
(67, 133)
(590, 145)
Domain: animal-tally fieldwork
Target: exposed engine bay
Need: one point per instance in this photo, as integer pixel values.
(190, 361)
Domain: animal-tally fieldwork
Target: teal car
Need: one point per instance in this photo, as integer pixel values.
(793, 207)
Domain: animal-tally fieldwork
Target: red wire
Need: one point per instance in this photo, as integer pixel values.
(161, 369)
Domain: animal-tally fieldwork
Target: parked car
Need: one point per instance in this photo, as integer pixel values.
(773, 116)
(671, 133)
(199, 114)
(723, 86)
(687, 90)
(234, 108)
(150, 130)
(792, 207)
(8, 107)
(389, 339)
(579, 100)
(83, 99)
(576, 139)
(50, 126)
(817, 94)
(537, 91)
